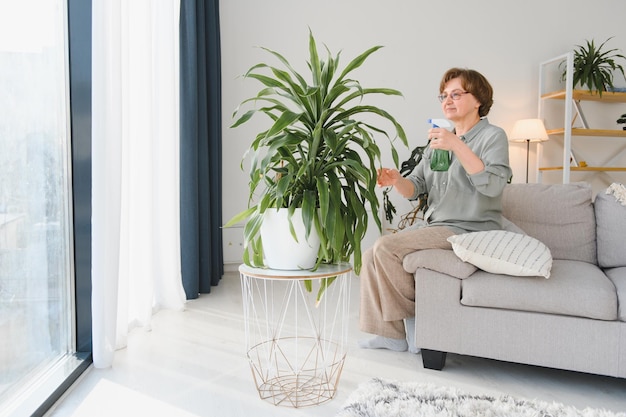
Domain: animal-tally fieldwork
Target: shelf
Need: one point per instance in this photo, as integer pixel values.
(607, 97)
(591, 132)
(571, 110)
(597, 169)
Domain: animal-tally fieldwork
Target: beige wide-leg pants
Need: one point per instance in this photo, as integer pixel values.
(387, 290)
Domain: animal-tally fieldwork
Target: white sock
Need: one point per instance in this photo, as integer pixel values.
(380, 342)
(409, 325)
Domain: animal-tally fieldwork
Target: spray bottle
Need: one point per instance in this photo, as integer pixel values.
(440, 159)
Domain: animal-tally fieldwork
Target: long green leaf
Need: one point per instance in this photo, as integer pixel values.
(358, 61)
(286, 119)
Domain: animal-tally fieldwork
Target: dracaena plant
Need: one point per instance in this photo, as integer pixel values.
(319, 152)
(594, 67)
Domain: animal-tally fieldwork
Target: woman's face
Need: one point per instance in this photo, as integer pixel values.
(465, 107)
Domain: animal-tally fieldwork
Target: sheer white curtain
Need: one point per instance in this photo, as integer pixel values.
(135, 194)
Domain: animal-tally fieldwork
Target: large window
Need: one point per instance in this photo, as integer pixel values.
(37, 286)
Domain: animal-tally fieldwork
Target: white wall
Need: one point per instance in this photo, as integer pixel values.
(504, 40)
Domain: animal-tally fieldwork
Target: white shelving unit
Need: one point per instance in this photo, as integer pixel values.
(573, 110)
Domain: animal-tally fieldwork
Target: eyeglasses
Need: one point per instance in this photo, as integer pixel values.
(455, 95)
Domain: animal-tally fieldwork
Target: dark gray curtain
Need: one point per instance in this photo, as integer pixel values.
(200, 147)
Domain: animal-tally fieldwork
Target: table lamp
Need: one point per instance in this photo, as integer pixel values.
(528, 130)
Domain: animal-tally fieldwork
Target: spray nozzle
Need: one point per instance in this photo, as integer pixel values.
(440, 123)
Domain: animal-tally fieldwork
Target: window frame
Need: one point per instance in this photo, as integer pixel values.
(80, 86)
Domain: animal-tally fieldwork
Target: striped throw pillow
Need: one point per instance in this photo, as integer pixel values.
(503, 252)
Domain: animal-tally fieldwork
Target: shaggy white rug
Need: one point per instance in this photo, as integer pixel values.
(381, 398)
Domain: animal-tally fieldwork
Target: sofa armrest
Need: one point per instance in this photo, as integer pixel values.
(439, 260)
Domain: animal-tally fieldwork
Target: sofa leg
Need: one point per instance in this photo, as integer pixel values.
(433, 359)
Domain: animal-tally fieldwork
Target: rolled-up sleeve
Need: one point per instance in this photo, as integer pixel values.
(490, 181)
(497, 173)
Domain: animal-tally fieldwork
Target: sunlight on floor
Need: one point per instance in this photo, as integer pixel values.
(110, 399)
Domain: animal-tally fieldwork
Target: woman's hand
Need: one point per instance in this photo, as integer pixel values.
(392, 178)
(441, 138)
(387, 177)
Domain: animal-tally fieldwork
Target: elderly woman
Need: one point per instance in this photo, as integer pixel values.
(464, 198)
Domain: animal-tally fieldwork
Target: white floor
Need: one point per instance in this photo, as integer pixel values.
(192, 363)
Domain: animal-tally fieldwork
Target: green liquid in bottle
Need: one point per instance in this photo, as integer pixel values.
(440, 160)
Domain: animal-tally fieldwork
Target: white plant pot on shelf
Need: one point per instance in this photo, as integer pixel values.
(279, 247)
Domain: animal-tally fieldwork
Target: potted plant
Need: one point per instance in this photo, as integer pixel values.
(319, 153)
(421, 205)
(594, 67)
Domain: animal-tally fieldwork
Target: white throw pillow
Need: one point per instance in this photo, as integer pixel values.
(503, 252)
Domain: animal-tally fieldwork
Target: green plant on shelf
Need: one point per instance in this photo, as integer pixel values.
(594, 67)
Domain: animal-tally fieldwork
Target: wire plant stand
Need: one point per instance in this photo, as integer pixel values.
(296, 345)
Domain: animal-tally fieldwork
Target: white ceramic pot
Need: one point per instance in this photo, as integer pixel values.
(279, 247)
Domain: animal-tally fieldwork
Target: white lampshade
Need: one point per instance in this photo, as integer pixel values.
(528, 130)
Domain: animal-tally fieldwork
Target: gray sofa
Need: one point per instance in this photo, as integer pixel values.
(574, 320)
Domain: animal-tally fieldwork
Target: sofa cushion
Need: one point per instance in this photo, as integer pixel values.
(439, 260)
(618, 276)
(559, 215)
(503, 252)
(611, 227)
(574, 289)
